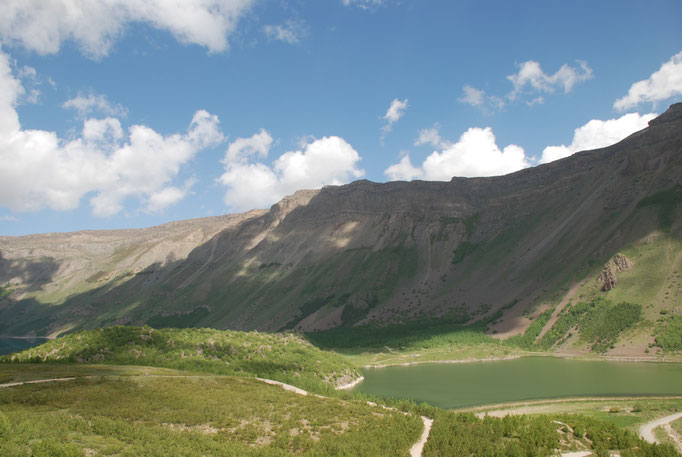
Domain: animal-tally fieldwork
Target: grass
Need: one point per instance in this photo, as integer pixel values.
(669, 333)
(284, 357)
(654, 280)
(628, 413)
(192, 416)
(666, 201)
(136, 411)
(155, 411)
(5, 292)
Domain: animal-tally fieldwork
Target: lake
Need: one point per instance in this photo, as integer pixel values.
(9, 345)
(458, 385)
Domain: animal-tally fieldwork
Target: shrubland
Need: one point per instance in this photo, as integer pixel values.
(285, 357)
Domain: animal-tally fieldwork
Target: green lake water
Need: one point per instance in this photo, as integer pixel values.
(458, 385)
(9, 345)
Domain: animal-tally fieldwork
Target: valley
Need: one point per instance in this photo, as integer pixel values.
(139, 391)
(537, 313)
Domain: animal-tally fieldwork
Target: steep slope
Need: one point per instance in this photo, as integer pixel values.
(373, 253)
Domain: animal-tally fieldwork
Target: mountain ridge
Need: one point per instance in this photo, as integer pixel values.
(361, 253)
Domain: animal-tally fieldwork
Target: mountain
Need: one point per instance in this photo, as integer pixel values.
(370, 253)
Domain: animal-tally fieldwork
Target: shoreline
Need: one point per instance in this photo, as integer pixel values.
(27, 337)
(351, 384)
(492, 407)
(406, 364)
(632, 359)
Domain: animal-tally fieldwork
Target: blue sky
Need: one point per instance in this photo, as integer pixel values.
(131, 113)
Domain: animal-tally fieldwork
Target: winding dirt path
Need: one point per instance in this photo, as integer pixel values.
(418, 448)
(415, 451)
(646, 431)
(38, 381)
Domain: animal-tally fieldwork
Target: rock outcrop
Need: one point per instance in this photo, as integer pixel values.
(608, 276)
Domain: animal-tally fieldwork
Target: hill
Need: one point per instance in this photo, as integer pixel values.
(283, 357)
(500, 250)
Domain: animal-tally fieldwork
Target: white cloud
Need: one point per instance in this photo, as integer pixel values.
(43, 26)
(38, 169)
(28, 77)
(431, 136)
(529, 81)
(393, 115)
(168, 196)
(395, 111)
(241, 149)
(661, 85)
(290, 32)
(472, 96)
(598, 134)
(479, 99)
(9, 219)
(329, 160)
(363, 4)
(531, 75)
(475, 154)
(403, 170)
(94, 103)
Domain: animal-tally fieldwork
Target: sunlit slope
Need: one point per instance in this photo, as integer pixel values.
(378, 254)
(283, 357)
(193, 416)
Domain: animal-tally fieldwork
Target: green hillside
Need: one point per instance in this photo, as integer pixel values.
(284, 357)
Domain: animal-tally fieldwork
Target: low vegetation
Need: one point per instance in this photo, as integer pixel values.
(531, 435)
(192, 416)
(599, 322)
(414, 335)
(603, 324)
(196, 406)
(130, 412)
(284, 357)
(527, 339)
(669, 333)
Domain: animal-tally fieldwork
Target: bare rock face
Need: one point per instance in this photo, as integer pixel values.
(359, 254)
(608, 277)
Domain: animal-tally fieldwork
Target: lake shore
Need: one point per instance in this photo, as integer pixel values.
(637, 359)
(27, 337)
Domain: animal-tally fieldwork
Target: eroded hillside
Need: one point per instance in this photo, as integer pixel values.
(363, 253)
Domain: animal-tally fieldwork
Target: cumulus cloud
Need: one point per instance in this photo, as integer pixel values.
(241, 149)
(474, 154)
(290, 32)
(598, 134)
(251, 184)
(393, 115)
(661, 85)
(38, 169)
(431, 136)
(85, 105)
(530, 82)
(531, 75)
(95, 25)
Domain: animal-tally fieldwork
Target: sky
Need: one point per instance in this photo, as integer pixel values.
(133, 113)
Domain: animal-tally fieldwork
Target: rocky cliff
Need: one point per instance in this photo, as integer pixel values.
(363, 253)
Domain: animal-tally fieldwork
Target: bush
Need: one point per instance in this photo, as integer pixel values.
(52, 448)
(669, 334)
(4, 426)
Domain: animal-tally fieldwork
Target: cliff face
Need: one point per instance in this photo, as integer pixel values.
(360, 253)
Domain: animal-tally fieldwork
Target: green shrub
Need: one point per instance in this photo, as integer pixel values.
(50, 447)
(669, 334)
(4, 426)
